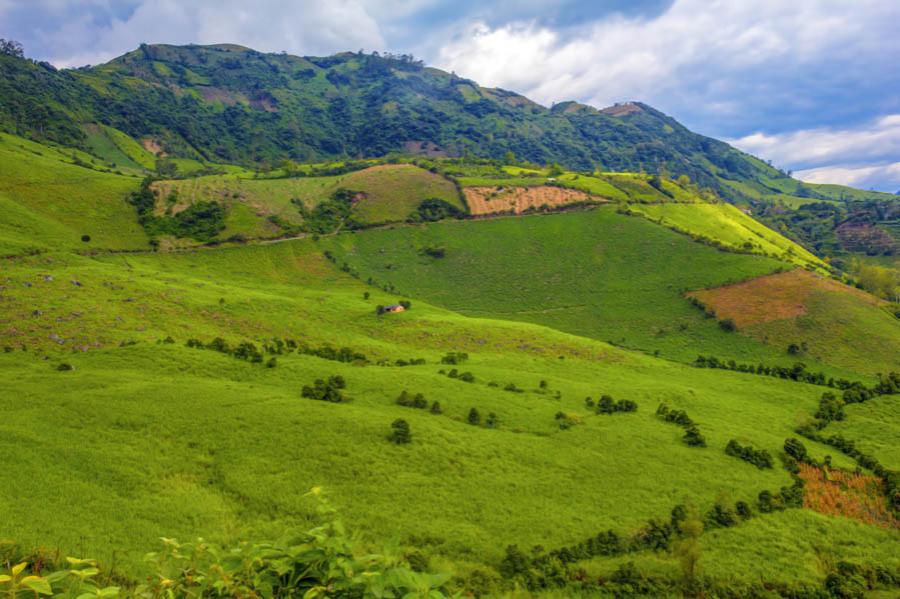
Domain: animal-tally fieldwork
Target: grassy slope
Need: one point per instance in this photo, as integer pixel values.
(840, 325)
(393, 193)
(598, 274)
(49, 202)
(732, 227)
(201, 444)
(875, 427)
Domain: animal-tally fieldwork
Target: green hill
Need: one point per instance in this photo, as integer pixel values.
(226, 103)
(198, 356)
(207, 444)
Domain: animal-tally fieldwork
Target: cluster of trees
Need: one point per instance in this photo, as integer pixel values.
(454, 358)
(607, 405)
(200, 221)
(327, 352)
(418, 401)
(692, 436)
(466, 377)
(760, 458)
(333, 214)
(474, 418)
(797, 372)
(245, 350)
(330, 389)
(433, 210)
(11, 48)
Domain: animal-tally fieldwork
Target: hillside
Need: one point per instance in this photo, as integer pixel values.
(250, 302)
(205, 105)
(247, 474)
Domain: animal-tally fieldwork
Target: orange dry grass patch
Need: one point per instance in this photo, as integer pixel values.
(840, 493)
(497, 200)
(772, 297)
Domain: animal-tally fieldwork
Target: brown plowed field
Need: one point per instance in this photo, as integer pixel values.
(772, 297)
(499, 200)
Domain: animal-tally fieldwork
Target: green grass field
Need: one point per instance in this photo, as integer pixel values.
(597, 273)
(143, 437)
(392, 193)
(48, 202)
(730, 226)
(204, 444)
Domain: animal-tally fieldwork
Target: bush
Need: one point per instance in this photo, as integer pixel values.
(436, 408)
(796, 450)
(728, 325)
(454, 358)
(758, 457)
(474, 417)
(323, 390)
(65, 367)
(400, 433)
(409, 400)
(693, 437)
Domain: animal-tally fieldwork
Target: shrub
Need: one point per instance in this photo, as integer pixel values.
(758, 457)
(693, 437)
(326, 390)
(454, 358)
(272, 362)
(474, 417)
(436, 408)
(400, 433)
(728, 325)
(796, 450)
(86, 238)
(492, 420)
(65, 367)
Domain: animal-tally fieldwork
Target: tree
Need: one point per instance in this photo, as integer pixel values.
(436, 407)
(727, 324)
(795, 449)
(11, 48)
(474, 417)
(688, 548)
(400, 433)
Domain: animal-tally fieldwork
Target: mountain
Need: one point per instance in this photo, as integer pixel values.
(228, 103)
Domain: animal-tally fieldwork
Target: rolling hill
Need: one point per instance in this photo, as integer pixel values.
(600, 375)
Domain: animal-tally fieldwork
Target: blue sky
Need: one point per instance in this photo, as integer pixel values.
(811, 84)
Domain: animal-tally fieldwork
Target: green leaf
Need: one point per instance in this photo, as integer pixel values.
(37, 584)
(5, 577)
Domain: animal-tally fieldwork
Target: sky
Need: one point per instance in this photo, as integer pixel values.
(812, 85)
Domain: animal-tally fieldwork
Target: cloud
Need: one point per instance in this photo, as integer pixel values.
(865, 155)
(72, 33)
(884, 177)
(715, 63)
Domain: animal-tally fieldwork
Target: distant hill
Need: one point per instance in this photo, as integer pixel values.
(231, 104)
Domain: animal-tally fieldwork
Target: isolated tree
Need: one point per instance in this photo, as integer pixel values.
(436, 408)
(400, 433)
(492, 420)
(11, 48)
(474, 417)
(688, 548)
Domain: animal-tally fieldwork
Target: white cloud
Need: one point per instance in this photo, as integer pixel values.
(844, 151)
(884, 176)
(695, 49)
(266, 25)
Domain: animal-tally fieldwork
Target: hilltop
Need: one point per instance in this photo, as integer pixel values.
(230, 104)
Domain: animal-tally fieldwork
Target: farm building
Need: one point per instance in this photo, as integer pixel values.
(394, 308)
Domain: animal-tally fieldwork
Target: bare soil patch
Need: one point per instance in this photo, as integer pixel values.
(500, 200)
(772, 297)
(152, 145)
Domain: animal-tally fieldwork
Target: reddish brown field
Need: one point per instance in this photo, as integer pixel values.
(772, 297)
(840, 493)
(498, 200)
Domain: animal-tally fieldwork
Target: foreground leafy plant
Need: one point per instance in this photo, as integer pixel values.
(325, 561)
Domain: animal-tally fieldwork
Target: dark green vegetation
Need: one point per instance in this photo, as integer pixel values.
(206, 105)
(202, 392)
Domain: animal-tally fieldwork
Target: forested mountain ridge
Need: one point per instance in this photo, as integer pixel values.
(227, 103)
